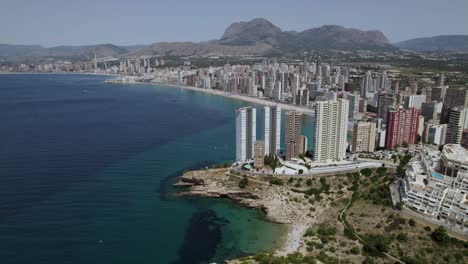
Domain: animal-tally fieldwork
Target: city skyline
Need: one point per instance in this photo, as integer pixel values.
(56, 23)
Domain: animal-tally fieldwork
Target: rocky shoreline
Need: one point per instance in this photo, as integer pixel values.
(280, 204)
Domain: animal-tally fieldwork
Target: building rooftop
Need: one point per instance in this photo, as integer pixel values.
(456, 152)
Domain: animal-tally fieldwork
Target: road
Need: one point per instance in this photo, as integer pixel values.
(333, 170)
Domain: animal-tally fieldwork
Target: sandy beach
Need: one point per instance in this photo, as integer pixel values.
(245, 98)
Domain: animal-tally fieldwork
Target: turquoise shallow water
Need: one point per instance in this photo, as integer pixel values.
(87, 168)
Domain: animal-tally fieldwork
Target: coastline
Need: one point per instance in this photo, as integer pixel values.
(59, 73)
(280, 204)
(255, 100)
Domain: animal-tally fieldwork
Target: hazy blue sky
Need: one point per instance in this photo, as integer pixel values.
(123, 22)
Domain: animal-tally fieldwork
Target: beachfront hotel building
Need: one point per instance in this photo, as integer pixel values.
(331, 122)
(364, 137)
(293, 134)
(272, 118)
(246, 133)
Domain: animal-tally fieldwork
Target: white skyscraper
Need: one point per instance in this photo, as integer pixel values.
(272, 116)
(331, 122)
(246, 133)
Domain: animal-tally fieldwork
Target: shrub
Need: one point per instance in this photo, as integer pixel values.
(399, 206)
(376, 245)
(326, 232)
(402, 237)
(355, 250)
(243, 183)
(427, 228)
(440, 235)
(276, 181)
(411, 222)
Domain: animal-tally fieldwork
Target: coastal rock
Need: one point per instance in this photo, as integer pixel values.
(189, 181)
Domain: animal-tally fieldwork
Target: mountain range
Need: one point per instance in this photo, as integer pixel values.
(255, 37)
(260, 36)
(37, 52)
(447, 43)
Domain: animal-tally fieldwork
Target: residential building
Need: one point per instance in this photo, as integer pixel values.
(246, 133)
(353, 105)
(464, 141)
(331, 122)
(458, 121)
(384, 102)
(436, 184)
(272, 118)
(303, 145)
(293, 134)
(429, 110)
(364, 137)
(435, 134)
(402, 126)
(259, 154)
(454, 97)
(414, 101)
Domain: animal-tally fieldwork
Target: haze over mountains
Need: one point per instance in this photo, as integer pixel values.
(255, 37)
(447, 43)
(31, 52)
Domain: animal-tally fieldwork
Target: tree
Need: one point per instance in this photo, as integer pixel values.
(399, 206)
(301, 171)
(440, 235)
(244, 182)
(366, 172)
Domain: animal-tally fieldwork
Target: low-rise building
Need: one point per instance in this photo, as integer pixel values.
(436, 184)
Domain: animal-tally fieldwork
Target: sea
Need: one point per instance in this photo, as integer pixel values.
(87, 167)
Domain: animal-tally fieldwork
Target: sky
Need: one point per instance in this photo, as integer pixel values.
(129, 22)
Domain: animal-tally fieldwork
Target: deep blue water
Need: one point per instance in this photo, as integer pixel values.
(86, 174)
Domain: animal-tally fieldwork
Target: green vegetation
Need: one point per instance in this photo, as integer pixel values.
(402, 237)
(355, 251)
(326, 233)
(294, 258)
(243, 183)
(399, 205)
(402, 166)
(324, 188)
(272, 161)
(440, 235)
(276, 181)
(221, 165)
(376, 245)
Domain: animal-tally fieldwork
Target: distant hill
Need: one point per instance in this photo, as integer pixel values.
(260, 30)
(446, 43)
(201, 49)
(36, 52)
(255, 37)
(260, 36)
